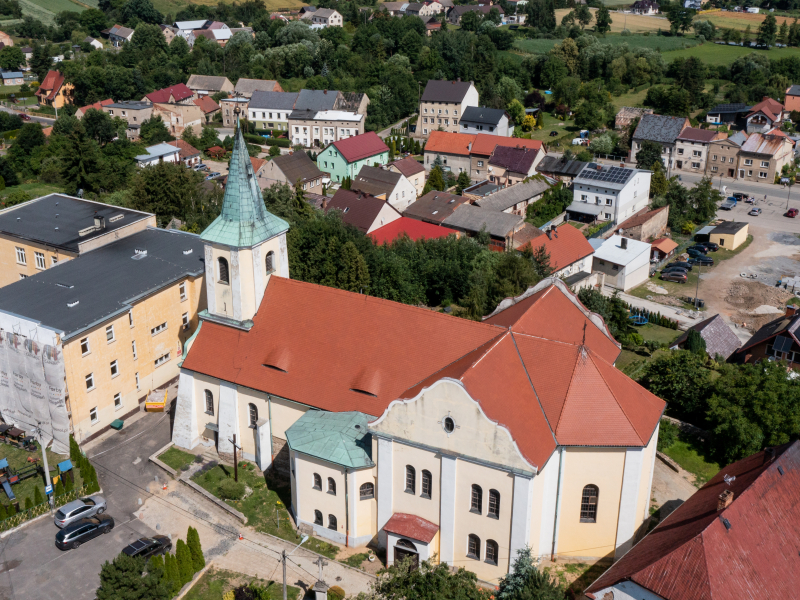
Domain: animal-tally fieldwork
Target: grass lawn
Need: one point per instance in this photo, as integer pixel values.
(620, 21)
(355, 560)
(656, 333)
(265, 508)
(716, 54)
(35, 189)
(630, 99)
(216, 582)
(566, 132)
(661, 43)
(177, 459)
(575, 577)
(632, 363)
(733, 20)
(17, 460)
(690, 454)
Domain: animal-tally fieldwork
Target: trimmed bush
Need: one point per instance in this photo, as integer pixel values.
(336, 593)
(37, 496)
(231, 490)
(28, 503)
(185, 565)
(193, 541)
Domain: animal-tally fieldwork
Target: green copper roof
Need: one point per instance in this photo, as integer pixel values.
(244, 220)
(340, 438)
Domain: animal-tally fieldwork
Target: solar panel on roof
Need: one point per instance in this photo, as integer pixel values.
(782, 344)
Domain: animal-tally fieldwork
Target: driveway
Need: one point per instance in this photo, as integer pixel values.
(30, 564)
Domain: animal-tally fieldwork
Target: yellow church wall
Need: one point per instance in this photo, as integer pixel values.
(645, 483)
(603, 468)
(223, 293)
(415, 504)
(260, 400)
(537, 504)
(284, 415)
(311, 499)
(366, 518)
(201, 384)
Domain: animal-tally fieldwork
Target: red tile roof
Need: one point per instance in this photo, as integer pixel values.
(96, 106)
(414, 229)
(257, 163)
(665, 245)
(411, 526)
(567, 246)
(408, 166)
(206, 104)
(694, 134)
(187, 150)
(694, 554)
(50, 85)
(361, 146)
(640, 218)
(772, 108)
(485, 143)
(176, 92)
(445, 142)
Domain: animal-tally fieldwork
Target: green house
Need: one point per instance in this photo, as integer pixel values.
(345, 158)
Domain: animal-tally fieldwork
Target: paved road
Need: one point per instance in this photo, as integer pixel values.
(30, 564)
(43, 120)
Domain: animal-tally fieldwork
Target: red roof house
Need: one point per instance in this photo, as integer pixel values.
(53, 91)
(363, 211)
(444, 142)
(207, 105)
(485, 143)
(97, 106)
(565, 245)
(360, 146)
(414, 229)
(171, 95)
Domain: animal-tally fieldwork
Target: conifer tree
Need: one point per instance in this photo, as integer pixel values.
(193, 541)
(185, 566)
(37, 496)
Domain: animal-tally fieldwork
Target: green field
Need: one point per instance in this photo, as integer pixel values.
(717, 54)
(175, 6)
(34, 189)
(216, 582)
(661, 43)
(690, 454)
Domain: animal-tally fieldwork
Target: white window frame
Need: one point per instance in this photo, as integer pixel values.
(89, 382)
(185, 318)
(158, 329)
(133, 347)
(40, 262)
(53, 261)
(762, 174)
(182, 290)
(162, 360)
(765, 164)
(110, 330)
(130, 318)
(88, 347)
(93, 415)
(21, 258)
(114, 367)
(117, 401)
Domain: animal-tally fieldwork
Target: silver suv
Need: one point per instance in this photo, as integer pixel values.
(74, 511)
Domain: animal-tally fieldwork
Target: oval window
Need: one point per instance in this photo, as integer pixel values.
(449, 424)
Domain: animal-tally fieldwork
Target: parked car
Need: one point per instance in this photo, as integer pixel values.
(699, 248)
(754, 212)
(679, 263)
(703, 261)
(792, 212)
(739, 196)
(212, 175)
(670, 269)
(24, 117)
(675, 276)
(728, 204)
(79, 509)
(200, 167)
(710, 245)
(83, 531)
(148, 546)
(553, 134)
(694, 253)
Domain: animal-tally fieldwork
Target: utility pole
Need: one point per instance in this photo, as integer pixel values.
(235, 460)
(789, 185)
(48, 481)
(697, 289)
(283, 560)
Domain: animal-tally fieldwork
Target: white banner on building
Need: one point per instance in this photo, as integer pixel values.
(8, 401)
(55, 377)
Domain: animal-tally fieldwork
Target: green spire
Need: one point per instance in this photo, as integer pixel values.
(244, 221)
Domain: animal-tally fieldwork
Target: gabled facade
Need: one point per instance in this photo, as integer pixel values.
(394, 187)
(691, 148)
(723, 155)
(442, 105)
(662, 130)
(344, 158)
(53, 90)
(606, 193)
(764, 116)
(762, 156)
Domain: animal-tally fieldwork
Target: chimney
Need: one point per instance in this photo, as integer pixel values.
(791, 310)
(725, 500)
(324, 91)
(554, 230)
(549, 234)
(623, 243)
(599, 167)
(99, 222)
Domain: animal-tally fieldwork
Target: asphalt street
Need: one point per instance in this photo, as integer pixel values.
(31, 567)
(43, 120)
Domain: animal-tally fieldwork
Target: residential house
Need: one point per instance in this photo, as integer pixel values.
(134, 112)
(363, 211)
(27, 51)
(246, 87)
(186, 29)
(559, 169)
(159, 153)
(188, 154)
(485, 145)
(412, 228)
(569, 250)
(729, 235)
(97, 106)
(115, 319)
(228, 107)
(169, 33)
(432, 25)
(292, 169)
(480, 190)
(791, 101)
(118, 35)
(423, 9)
(434, 207)
(645, 225)
(391, 186)
(271, 110)
(623, 262)
(473, 220)
(494, 121)
(208, 106)
(723, 155)
(6, 39)
(174, 94)
(628, 114)
(344, 158)
(259, 170)
(454, 14)
(56, 228)
(662, 130)
(443, 103)
(53, 91)
(96, 44)
(220, 36)
(516, 19)
(645, 7)
(662, 249)
(725, 540)
(207, 85)
(777, 340)
(449, 150)
(728, 114)
(762, 156)
(393, 8)
(764, 116)
(691, 148)
(515, 199)
(413, 170)
(716, 333)
(179, 117)
(606, 193)
(509, 166)
(317, 129)
(324, 17)
(12, 77)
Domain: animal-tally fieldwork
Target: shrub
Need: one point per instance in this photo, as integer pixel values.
(28, 503)
(231, 490)
(667, 435)
(185, 564)
(336, 593)
(193, 541)
(37, 496)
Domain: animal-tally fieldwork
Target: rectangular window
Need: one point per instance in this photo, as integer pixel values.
(137, 380)
(748, 161)
(110, 333)
(185, 319)
(695, 165)
(133, 347)
(696, 153)
(85, 346)
(40, 264)
(114, 369)
(90, 382)
(750, 173)
(762, 174)
(714, 169)
(158, 329)
(714, 157)
(182, 290)
(765, 163)
(130, 318)
(480, 163)
(608, 201)
(117, 401)
(730, 160)
(680, 150)
(93, 415)
(162, 359)
(21, 256)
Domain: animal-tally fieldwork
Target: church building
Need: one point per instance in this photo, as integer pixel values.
(430, 435)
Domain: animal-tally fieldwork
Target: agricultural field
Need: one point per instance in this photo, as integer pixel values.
(732, 20)
(635, 23)
(657, 42)
(46, 10)
(718, 54)
(174, 6)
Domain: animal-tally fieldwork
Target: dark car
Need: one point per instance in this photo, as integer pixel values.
(675, 276)
(149, 546)
(694, 253)
(739, 196)
(24, 117)
(671, 269)
(710, 245)
(78, 533)
(553, 133)
(792, 212)
(685, 265)
(703, 261)
(700, 248)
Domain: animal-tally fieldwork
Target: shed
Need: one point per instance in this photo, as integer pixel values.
(719, 338)
(729, 234)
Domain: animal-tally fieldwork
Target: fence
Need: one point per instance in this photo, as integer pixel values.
(601, 231)
(40, 509)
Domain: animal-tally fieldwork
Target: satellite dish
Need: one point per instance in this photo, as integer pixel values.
(729, 479)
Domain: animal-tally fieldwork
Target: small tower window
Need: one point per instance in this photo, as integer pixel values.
(317, 517)
(270, 262)
(476, 504)
(332, 522)
(331, 486)
(223, 270)
(317, 483)
(589, 504)
(209, 403)
(411, 479)
(253, 415)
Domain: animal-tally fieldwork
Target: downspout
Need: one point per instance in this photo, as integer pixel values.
(271, 448)
(346, 511)
(558, 504)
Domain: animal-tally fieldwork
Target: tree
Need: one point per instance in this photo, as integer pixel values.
(11, 57)
(125, 578)
(436, 179)
(171, 578)
(462, 182)
(767, 31)
(695, 342)
(542, 13)
(681, 379)
(658, 182)
(602, 20)
(80, 162)
(783, 35)
(354, 274)
(170, 190)
(583, 15)
(193, 541)
(185, 564)
(135, 11)
(680, 18)
(648, 155)
(428, 582)
(553, 202)
(525, 582)
(471, 20)
(41, 62)
(153, 131)
(37, 496)
(100, 126)
(613, 310)
(93, 20)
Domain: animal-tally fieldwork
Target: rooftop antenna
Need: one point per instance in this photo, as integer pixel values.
(729, 479)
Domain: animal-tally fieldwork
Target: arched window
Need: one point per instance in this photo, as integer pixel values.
(331, 486)
(411, 479)
(270, 262)
(209, 403)
(253, 415)
(317, 482)
(476, 505)
(473, 546)
(332, 522)
(317, 517)
(407, 544)
(366, 491)
(491, 552)
(223, 270)
(427, 484)
(494, 506)
(589, 504)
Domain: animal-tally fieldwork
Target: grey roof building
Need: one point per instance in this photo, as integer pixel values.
(558, 167)
(718, 336)
(660, 128)
(246, 87)
(434, 207)
(273, 100)
(472, 219)
(316, 100)
(375, 181)
(440, 90)
(511, 196)
(483, 115)
(297, 166)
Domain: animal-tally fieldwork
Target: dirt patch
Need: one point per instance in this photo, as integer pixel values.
(657, 289)
(666, 300)
(748, 297)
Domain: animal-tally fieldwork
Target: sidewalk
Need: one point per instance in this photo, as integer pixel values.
(684, 321)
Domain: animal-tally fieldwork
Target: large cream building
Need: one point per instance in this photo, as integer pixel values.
(426, 434)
